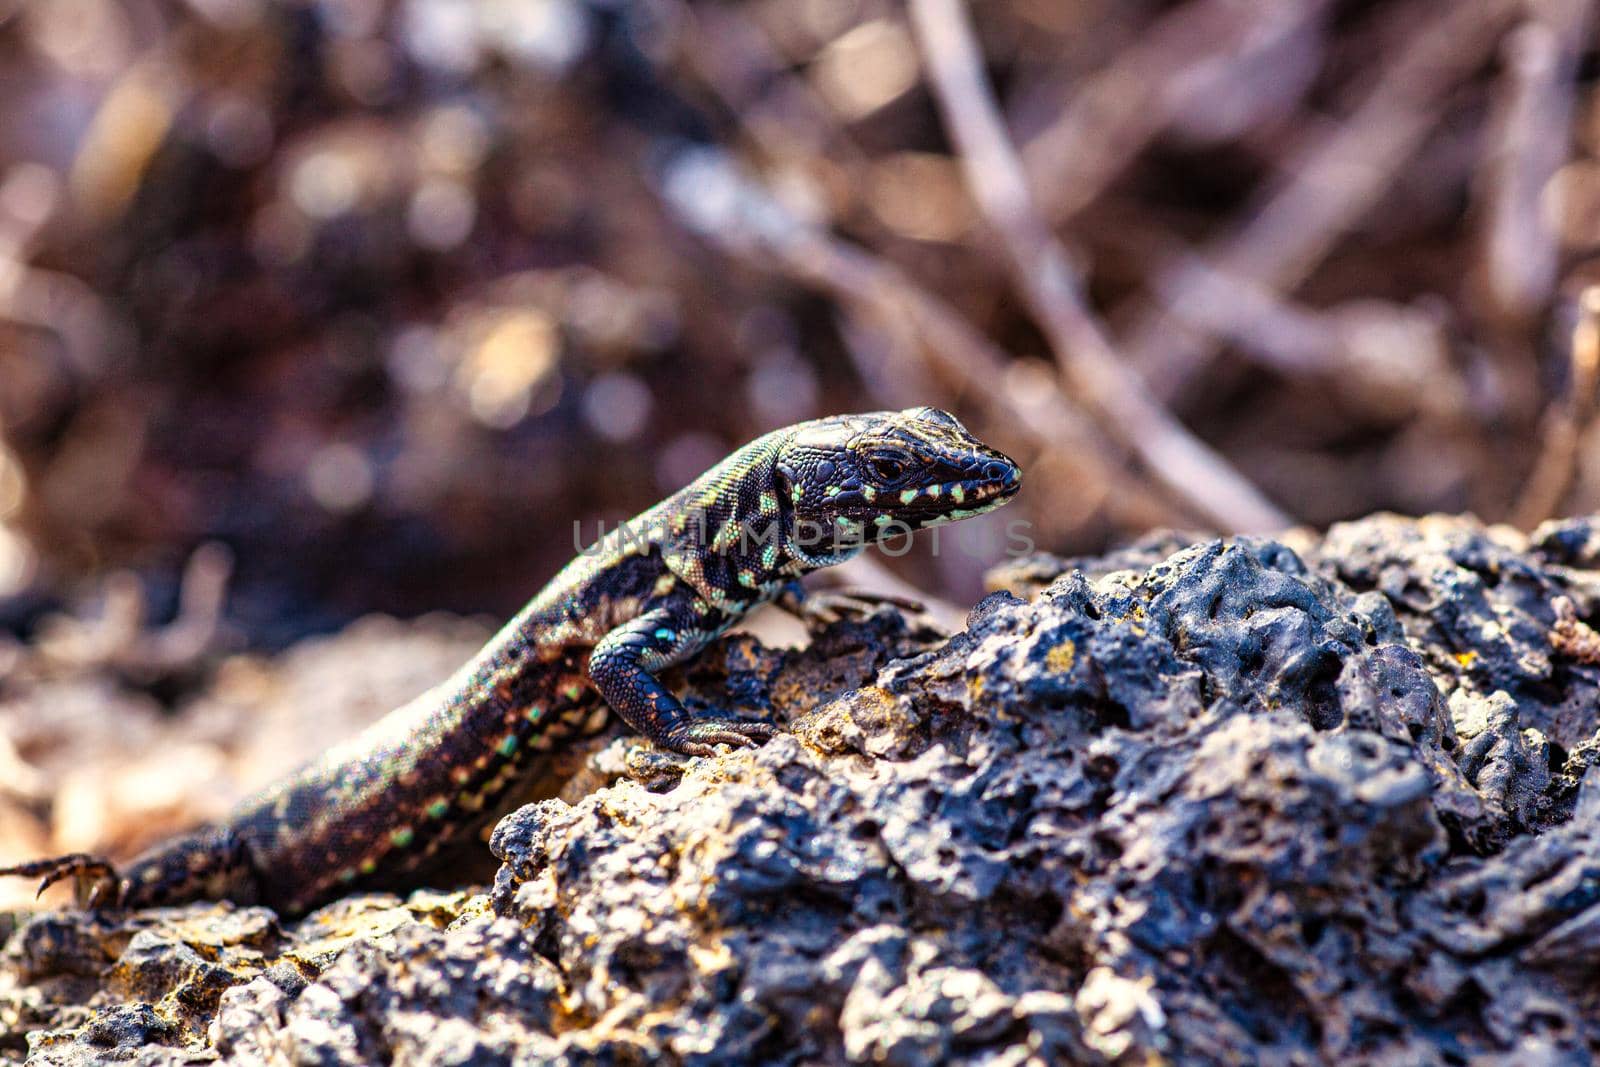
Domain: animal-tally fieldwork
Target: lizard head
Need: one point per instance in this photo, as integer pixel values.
(865, 477)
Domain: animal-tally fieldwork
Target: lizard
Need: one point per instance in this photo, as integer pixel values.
(650, 594)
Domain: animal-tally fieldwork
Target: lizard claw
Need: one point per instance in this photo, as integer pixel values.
(701, 738)
(101, 892)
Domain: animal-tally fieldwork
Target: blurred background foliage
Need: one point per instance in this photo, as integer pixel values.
(383, 296)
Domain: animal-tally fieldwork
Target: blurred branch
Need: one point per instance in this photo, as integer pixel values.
(1115, 113)
(747, 221)
(1530, 143)
(782, 114)
(1184, 465)
(18, 777)
(886, 309)
(1085, 474)
(121, 637)
(64, 307)
(968, 359)
(1324, 189)
(879, 351)
(1290, 339)
(49, 301)
(1564, 425)
(130, 125)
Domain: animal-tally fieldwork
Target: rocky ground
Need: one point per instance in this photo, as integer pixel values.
(1268, 801)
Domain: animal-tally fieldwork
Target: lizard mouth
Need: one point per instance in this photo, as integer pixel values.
(996, 482)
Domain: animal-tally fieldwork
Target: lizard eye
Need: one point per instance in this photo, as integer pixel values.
(888, 467)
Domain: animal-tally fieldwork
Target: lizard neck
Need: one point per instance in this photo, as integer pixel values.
(725, 534)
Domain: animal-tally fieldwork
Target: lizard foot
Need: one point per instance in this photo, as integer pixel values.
(700, 738)
(98, 882)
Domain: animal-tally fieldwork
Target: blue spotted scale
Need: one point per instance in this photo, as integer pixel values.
(382, 809)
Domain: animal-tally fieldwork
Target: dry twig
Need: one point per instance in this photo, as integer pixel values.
(1324, 189)
(1115, 113)
(1531, 143)
(1185, 466)
(750, 223)
(1564, 425)
(879, 293)
(121, 637)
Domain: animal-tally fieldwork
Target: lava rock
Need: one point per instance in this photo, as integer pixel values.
(1210, 802)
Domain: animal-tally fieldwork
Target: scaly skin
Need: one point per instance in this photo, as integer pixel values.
(653, 593)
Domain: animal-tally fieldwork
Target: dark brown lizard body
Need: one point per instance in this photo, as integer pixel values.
(375, 811)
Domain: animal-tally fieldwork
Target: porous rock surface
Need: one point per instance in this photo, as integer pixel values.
(1248, 801)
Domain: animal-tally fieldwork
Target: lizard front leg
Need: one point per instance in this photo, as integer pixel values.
(623, 666)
